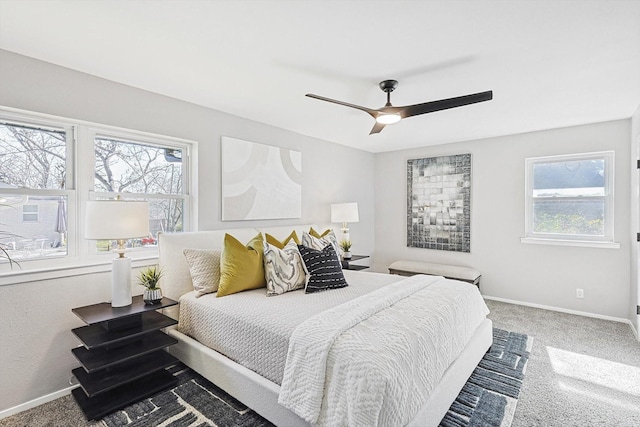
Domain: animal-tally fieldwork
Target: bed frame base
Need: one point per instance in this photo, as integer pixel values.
(261, 395)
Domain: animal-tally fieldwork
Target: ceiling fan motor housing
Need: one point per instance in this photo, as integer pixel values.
(388, 85)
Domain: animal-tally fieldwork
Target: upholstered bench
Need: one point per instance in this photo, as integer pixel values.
(409, 268)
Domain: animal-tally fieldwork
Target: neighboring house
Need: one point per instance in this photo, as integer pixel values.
(32, 226)
(35, 219)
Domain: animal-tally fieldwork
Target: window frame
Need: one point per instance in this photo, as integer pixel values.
(49, 123)
(604, 241)
(134, 137)
(82, 256)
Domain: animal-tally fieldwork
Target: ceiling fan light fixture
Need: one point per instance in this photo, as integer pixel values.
(389, 114)
(388, 119)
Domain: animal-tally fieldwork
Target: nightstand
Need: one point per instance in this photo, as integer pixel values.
(346, 263)
(123, 357)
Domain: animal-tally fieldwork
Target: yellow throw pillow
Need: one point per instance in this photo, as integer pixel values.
(241, 267)
(280, 245)
(317, 235)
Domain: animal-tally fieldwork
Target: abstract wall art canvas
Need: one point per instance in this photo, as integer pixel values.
(260, 181)
(439, 203)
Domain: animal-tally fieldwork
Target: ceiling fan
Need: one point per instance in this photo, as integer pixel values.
(389, 114)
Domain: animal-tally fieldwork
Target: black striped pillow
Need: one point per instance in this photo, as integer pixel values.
(323, 269)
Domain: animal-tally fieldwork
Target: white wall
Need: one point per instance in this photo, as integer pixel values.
(538, 274)
(635, 221)
(36, 318)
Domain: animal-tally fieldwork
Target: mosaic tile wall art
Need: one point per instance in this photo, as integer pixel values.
(439, 203)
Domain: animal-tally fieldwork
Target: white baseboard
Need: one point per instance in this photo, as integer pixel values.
(36, 402)
(566, 310)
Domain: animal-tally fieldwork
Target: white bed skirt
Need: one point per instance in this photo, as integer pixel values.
(261, 395)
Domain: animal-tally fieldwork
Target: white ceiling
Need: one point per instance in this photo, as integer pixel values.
(549, 63)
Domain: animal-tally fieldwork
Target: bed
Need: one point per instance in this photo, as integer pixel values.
(256, 364)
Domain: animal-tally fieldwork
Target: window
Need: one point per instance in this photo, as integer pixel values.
(569, 199)
(29, 213)
(142, 171)
(34, 189)
(42, 202)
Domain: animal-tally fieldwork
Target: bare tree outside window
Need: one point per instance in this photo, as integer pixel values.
(144, 172)
(42, 195)
(32, 158)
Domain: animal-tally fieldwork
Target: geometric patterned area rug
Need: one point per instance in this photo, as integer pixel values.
(194, 402)
(490, 395)
(488, 398)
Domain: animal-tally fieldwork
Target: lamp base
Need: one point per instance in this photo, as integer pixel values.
(121, 282)
(346, 237)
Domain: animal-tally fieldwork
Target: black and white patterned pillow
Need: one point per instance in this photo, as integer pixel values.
(323, 269)
(283, 268)
(320, 242)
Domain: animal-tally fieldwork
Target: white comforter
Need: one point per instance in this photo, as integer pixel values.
(374, 360)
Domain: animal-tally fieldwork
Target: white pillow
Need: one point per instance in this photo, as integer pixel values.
(283, 268)
(320, 243)
(204, 266)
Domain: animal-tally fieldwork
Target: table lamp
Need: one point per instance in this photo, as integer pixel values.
(345, 213)
(118, 220)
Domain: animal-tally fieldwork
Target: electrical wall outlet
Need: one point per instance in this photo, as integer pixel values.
(579, 293)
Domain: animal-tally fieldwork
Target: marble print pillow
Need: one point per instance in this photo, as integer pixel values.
(319, 243)
(283, 268)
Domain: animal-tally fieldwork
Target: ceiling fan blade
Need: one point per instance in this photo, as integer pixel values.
(373, 113)
(377, 128)
(444, 104)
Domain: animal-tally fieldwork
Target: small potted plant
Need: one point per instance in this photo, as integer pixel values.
(345, 245)
(149, 278)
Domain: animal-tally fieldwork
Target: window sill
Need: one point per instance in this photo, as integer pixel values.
(580, 243)
(17, 276)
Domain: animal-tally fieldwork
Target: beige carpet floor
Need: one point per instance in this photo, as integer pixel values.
(582, 372)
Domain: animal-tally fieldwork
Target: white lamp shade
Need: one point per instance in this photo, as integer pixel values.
(344, 212)
(116, 220)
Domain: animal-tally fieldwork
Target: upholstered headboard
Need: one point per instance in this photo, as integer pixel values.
(176, 279)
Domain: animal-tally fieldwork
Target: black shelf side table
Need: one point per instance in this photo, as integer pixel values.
(347, 263)
(123, 355)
